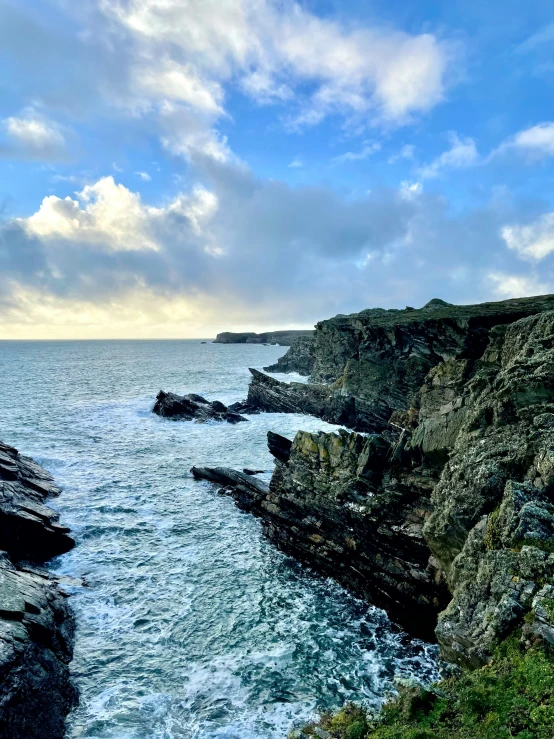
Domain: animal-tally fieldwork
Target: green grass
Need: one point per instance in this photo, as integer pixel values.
(511, 697)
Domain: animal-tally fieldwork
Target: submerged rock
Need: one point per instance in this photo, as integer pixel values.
(36, 624)
(193, 407)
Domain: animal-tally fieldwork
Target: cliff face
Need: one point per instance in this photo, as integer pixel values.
(299, 358)
(444, 515)
(284, 338)
(36, 624)
(383, 356)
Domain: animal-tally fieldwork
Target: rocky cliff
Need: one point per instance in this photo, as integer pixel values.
(284, 338)
(381, 357)
(36, 624)
(299, 358)
(444, 514)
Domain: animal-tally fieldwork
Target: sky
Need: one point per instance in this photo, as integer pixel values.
(176, 168)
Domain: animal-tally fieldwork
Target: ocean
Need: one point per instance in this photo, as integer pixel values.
(190, 624)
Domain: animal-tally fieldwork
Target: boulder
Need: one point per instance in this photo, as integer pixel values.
(193, 407)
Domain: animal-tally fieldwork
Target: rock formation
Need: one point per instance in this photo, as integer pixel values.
(267, 394)
(447, 510)
(36, 624)
(299, 358)
(283, 338)
(193, 407)
(377, 360)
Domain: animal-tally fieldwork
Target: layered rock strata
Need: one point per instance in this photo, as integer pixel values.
(36, 624)
(193, 407)
(449, 511)
(267, 394)
(379, 358)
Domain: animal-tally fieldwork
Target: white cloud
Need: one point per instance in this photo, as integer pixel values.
(369, 148)
(108, 216)
(32, 136)
(544, 36)
(516, 286)
(462, 154)
(296, 163)
(535, 142)
(144, 176)
(188, 52)
(532, 241)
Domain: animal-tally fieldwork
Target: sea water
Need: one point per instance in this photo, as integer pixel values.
(189, 623)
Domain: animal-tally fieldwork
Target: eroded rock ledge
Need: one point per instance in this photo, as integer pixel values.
(36, 624)
(446, 516)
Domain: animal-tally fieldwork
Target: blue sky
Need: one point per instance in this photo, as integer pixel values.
(171, 168)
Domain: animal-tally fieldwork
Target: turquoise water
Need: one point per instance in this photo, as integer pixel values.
(190, 624)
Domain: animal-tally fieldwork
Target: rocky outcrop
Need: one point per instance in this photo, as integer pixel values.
(283, 338)
(373, 363)
(36, 624)
(448, 510)
(270, 395)
(343, 504)
(193, 407)
(299, 358)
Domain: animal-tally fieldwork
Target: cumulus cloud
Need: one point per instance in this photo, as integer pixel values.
(462, 154)
(313, 253)
(32, 136)
(531, 241)
(534, 143)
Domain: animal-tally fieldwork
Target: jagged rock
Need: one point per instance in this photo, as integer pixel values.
(336, 502)
(193, 407)
(29, 529)
(283, 338)
(36, 624)
(279, 446)
(248, 492)
(248, 471)
(270, 395)
(373, 363)
(299, 358)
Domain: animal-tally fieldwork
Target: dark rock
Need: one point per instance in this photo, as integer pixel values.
(193, 407)
(270, 395)
(29, 529)
(279, 446)
(283, 338)
(299, 358)
(330, 506)
(247, 491)
(36, 624)
(448, 510)
(252, 472)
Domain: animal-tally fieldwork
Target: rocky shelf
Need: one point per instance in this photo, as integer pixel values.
(36, 623)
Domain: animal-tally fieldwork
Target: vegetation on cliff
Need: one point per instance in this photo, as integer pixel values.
(510, 697)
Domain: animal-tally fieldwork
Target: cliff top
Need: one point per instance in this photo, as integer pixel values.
(437, 309)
